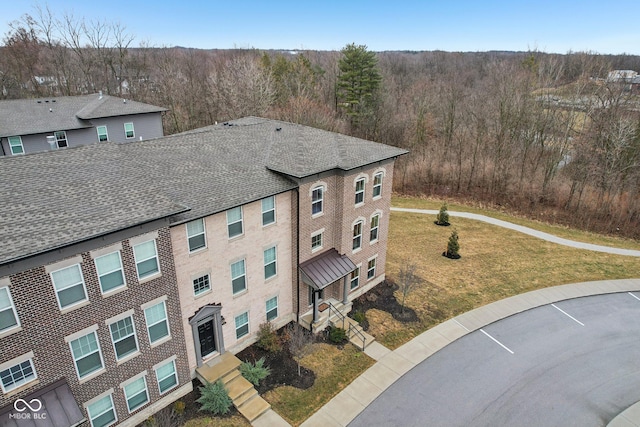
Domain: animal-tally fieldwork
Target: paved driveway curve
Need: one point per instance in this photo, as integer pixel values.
(572, 363)
(530, 231)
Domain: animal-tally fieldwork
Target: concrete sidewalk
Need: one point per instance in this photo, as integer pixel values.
(526, 230)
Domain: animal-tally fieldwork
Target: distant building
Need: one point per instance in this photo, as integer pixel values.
(32, 125)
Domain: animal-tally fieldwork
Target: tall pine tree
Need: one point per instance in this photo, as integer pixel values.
(358, 83)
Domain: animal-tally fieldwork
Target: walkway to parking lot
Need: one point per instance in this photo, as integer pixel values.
(392, 365)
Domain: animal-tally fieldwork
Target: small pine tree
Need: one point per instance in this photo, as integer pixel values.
(443, 216)
(453, 246)
(214, 398)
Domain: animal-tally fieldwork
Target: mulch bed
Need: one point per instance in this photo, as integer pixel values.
(284, 368)
(382, 298)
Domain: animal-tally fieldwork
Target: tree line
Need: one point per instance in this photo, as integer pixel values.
(546, 135)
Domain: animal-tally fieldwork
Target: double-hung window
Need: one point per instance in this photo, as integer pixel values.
(201, 285)
(157, 323)
(355, 278)
(359, 191)
(86, 354)
(15, 145)
(317, 198)
(136, 393)
(242, 325)
(146, 256)
(234, 221)
(371, 269)
(357, 235)
(377, 185)
(268, 210)
(272, 308)
(238, 277)
(270, 263)
(61, 138)
(128, 131)
(17, 375)
(123, 335)
(375, 223)
(110, 273)
(196, 235)
(101, 412)
(167, 376)
(69, 285)
(102, 133)
(8, 315)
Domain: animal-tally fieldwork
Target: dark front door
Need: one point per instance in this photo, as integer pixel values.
(207, 338)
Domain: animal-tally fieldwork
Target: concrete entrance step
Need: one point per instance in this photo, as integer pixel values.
(253, 408)
(217, 368)
(239, 386)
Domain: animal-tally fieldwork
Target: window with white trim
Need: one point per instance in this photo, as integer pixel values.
(201, 285)
(359, 191)
(15, 145)
(272, 308)
(110, 272)
(123, 336)
(377, 184)
(234, 222)
(270, 269)
(375, 223)
(317, 199)
(157, 323)
(355, 278)
(242, 325)
(196, 235)
(146, 255)
(371, 268)
(86, 354)
(316, 241)
(128, 131)
(17, 375)
(102, 133)
(102, 412)
(268, 210)
(136, 393)
(238, 277)
(167, 376)
(357, 235)
(61, 138)
(8, 315)
(69, 285)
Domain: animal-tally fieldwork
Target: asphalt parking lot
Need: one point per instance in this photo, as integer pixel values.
(572, 363)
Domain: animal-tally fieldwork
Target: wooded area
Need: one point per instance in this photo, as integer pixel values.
(545, 135)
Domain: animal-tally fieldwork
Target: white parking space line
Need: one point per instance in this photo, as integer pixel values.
(497, 342)
(633, 296)
(567, 314)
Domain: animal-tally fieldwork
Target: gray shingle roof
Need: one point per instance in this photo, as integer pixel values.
(31, 116)
(56, 198)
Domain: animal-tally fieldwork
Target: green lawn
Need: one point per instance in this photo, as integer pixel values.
(496, 263)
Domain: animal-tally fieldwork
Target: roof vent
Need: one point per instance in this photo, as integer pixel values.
(53, 100)
(124, 101)
(39, 102)
(46, 100)
(100, 95)
(51, 110)
(278, 129)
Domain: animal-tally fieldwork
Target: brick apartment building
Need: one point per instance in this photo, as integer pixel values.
(126, 266)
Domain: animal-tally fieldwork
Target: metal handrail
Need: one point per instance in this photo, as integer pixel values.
(351, 327)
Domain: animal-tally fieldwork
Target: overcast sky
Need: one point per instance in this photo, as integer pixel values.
(451, 25)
